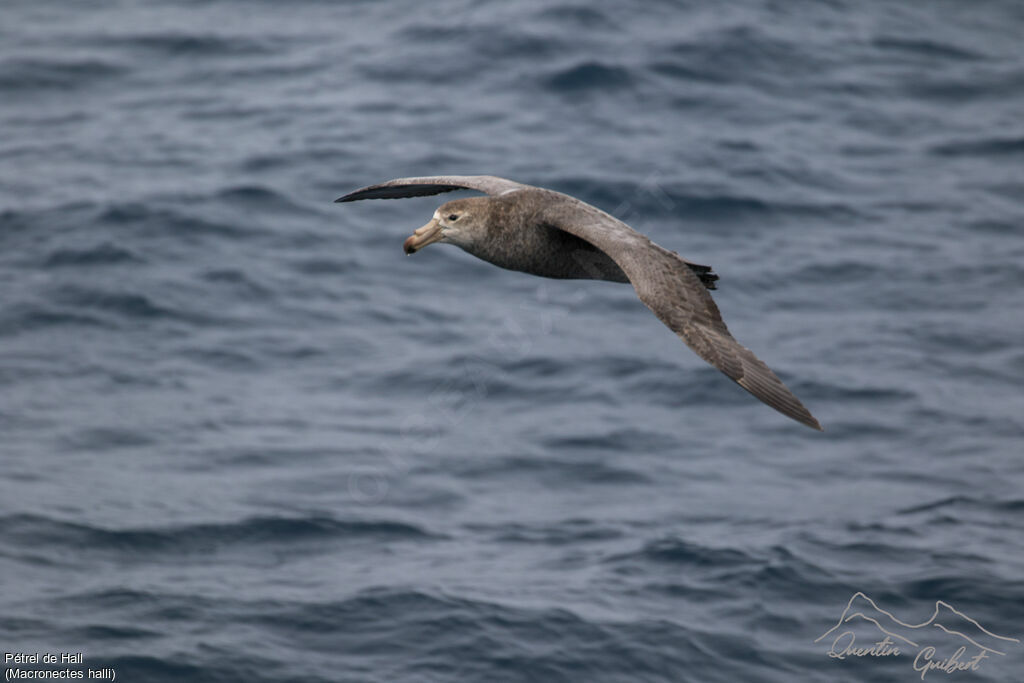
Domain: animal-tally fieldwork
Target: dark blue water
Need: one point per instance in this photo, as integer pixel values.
(244, 438)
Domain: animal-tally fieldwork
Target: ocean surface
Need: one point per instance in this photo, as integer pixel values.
(244, 438)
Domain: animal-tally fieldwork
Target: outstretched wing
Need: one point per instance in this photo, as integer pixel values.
(428, 185)
(667, 285)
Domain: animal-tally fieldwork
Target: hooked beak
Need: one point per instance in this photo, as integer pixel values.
(428, 234)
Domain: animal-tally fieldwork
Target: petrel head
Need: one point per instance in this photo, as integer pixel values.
(456, 222)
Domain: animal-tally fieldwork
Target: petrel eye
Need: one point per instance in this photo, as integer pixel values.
(453, 217)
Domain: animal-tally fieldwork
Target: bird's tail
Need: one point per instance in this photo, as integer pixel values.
(704, 273)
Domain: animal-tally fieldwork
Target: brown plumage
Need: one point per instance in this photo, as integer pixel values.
(547, 233)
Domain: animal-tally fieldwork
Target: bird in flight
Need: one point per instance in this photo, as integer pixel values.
(550, 234)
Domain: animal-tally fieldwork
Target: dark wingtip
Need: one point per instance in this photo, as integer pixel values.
(804, 417)
(346, 198)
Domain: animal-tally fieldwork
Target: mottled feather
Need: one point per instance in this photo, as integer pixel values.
(669, 287)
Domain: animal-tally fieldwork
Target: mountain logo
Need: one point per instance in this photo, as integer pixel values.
(949, 641)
